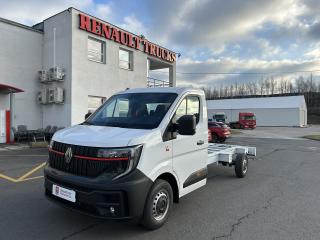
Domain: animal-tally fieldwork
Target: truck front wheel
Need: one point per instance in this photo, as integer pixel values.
(241, 165)
(158, 205)
(214, 137)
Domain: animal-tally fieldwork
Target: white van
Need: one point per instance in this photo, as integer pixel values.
(142, 150)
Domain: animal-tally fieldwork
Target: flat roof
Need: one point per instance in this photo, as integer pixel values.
(16, 24)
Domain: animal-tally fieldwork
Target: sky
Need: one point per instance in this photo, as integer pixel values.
(267, 37)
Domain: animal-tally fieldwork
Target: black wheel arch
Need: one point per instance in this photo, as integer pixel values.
(174, 185)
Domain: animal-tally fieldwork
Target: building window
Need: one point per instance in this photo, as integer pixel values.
(96, 50)
(125, 59)
(94, 102)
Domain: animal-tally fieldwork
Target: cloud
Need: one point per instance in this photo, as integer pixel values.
(132, 24)
(314, 51)
(102, 11)
(34, 11)
(215, 23)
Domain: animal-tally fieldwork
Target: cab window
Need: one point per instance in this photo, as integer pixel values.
(189, 106)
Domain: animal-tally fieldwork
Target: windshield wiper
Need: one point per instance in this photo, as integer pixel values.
(86, 123)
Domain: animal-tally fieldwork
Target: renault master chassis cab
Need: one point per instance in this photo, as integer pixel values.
(142, 150)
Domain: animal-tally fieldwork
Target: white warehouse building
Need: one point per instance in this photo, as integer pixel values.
(269, 111)
(56, 71)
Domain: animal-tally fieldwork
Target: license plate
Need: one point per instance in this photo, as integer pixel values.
(64, 193)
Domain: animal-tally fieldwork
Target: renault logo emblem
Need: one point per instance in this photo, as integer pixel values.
(68, 155)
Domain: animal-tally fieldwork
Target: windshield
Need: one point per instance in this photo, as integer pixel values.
(249, 117)
(133, 110)
(219, 116)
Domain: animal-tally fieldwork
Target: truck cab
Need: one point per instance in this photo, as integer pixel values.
(219, 117)
(142, 150)
(247, 120)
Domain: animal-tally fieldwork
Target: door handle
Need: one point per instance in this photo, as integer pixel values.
(200, 142)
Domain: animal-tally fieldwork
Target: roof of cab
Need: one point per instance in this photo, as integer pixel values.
(177, 90)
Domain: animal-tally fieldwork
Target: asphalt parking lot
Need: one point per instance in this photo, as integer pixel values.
(280, 132)
(279, 199)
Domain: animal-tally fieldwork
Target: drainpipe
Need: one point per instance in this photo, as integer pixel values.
(11, 116)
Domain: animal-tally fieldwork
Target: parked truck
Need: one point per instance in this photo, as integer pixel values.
(246, 120)
(142, 150)
(219, 117)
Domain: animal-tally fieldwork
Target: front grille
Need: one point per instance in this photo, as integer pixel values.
(80, 166)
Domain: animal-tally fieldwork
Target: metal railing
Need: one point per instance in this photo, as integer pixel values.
(153, 82)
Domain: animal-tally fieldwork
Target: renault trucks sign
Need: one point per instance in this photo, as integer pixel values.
(109, 32)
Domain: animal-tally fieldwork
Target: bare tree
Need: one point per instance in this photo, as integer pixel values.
(267, 86)
(283, 86)
(273, 85)
(261, 86)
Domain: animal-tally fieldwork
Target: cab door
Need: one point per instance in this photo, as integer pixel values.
(189, 152)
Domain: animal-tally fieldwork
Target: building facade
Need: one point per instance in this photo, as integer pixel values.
(269, 111)
(69, 64)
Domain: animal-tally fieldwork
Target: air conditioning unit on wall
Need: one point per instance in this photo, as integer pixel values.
(56, 74)
(43, 96)
(43, 76)
(55, 95)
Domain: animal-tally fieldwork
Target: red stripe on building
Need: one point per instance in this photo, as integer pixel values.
(8, 127)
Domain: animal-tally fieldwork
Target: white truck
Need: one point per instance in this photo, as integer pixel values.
(142, 150)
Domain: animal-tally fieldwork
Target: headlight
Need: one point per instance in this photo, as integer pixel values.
(123, 160)
(51, 144)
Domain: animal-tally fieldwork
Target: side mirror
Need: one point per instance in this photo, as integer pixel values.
(87, 115)
(187, 125)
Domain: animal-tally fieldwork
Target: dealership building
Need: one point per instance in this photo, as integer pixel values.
(56, 71)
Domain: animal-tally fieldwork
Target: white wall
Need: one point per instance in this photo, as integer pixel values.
(265, 117)
(56, 114)
(99, 79)
(20, 61)
(4, 101)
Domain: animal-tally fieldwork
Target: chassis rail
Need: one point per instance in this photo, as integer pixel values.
(224, 153)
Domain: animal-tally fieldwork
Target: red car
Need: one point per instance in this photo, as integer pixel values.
(209, 136)
(219, 131)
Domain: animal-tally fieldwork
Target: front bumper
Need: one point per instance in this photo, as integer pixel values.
(95, 196)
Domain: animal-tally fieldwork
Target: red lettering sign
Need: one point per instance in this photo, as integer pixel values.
(101, 29)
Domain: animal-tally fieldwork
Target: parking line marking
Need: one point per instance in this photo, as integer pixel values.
(31, 178)
(8, 178)
(31, 171)
(24, 177)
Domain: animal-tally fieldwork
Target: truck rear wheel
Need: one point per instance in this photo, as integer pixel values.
(158, 205)
(241, 165)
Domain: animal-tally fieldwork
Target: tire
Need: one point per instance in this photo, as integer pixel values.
(241, 165)
(222, 139)
(158, 205)
(214, 137)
